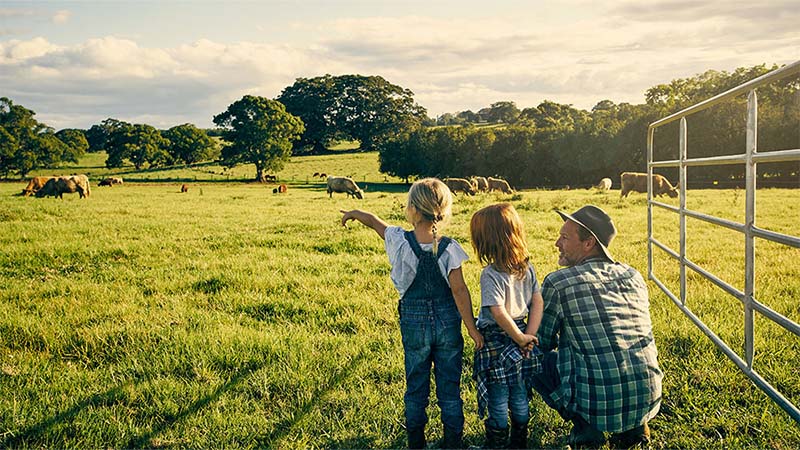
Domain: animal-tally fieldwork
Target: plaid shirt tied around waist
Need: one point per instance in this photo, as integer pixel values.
(501, 361)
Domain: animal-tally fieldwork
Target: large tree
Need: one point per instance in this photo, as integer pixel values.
(364, 108)
(98, 135)
(25, 143)
(505, 111)
(75, 142)
(311, 99)
(258, 131)
(190, 144)
(139, 143)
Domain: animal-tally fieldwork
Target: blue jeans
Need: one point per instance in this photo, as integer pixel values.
(548, 380)
(439, 343)
(504, 399)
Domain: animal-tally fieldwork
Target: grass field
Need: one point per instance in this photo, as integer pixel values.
(232, 317)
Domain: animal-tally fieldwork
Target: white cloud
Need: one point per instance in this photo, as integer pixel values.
(451, 64)
(17, 52)
(61, 16)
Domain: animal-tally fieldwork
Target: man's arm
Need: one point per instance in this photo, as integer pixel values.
(551, 317)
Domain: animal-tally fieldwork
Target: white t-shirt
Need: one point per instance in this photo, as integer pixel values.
(503, 289)
(404, 262)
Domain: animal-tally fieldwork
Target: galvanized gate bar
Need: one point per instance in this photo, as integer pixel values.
(750, 159)
(762, 157)
(682, 206)
(763, 384)
(739, 295)
(749, 223)
(784, 239)
(777, 317)
(785, 71)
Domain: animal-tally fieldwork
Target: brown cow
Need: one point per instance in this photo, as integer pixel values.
(34, 185)
(637, 182)
(459, 185)
(110, 181)
(500, 185)
(481, 184)
(280, 189)
(57, 187)
(184, 188)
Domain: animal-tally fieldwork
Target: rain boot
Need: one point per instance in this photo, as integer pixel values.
(495, 437)
(416, 437)
(519, 435)
(452, 439)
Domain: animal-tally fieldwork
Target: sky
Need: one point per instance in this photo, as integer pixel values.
(169, 62)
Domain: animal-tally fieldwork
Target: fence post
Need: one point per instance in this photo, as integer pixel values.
(650, 134)
(682, 210)
(750, 219)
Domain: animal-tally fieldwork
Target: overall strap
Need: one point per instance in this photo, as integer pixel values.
(412, 241)
(444, 241)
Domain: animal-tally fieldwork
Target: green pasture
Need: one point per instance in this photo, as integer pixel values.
(362, 167)
(230, 317)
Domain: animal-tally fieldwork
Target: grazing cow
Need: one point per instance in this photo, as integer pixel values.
(110, 181)
(459, 185)
(58, 186)
(500, 185)
(34, 185)
(637, 182)
(323, 175)
(481, 184)
(604, 184)
(270, 178)
(280, 189)
(316, 175)
(82, 181)
(184, 188)
(344, 184)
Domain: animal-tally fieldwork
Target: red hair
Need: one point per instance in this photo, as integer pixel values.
(498, 238)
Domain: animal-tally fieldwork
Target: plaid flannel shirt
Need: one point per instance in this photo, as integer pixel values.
(501, 361)
(597, 315)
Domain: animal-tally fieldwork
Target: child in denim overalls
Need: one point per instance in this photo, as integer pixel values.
(510, 297)
(434, 300)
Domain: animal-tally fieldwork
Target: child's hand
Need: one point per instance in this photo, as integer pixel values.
(477, 338)
(347, 215)
(526, 341)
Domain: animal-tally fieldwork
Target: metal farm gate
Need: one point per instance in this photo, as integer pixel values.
(750, 158)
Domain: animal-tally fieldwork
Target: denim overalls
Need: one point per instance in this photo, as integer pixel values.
(431, 329)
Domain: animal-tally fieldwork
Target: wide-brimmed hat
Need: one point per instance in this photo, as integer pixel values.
(597, 222)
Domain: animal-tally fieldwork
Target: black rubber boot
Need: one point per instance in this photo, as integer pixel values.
(636, 436)
(584, 435)
(416, 437)
(519, 435)
(452, 439)
(495, 437)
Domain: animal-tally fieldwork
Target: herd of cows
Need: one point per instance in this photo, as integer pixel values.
(629, 181)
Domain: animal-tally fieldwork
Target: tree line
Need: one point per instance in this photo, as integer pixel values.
(555, 145)
(550, 144)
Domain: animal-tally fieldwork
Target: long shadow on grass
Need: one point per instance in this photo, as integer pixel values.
(143, 441)
(24, 436)
(283, 428)
(111, 397)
